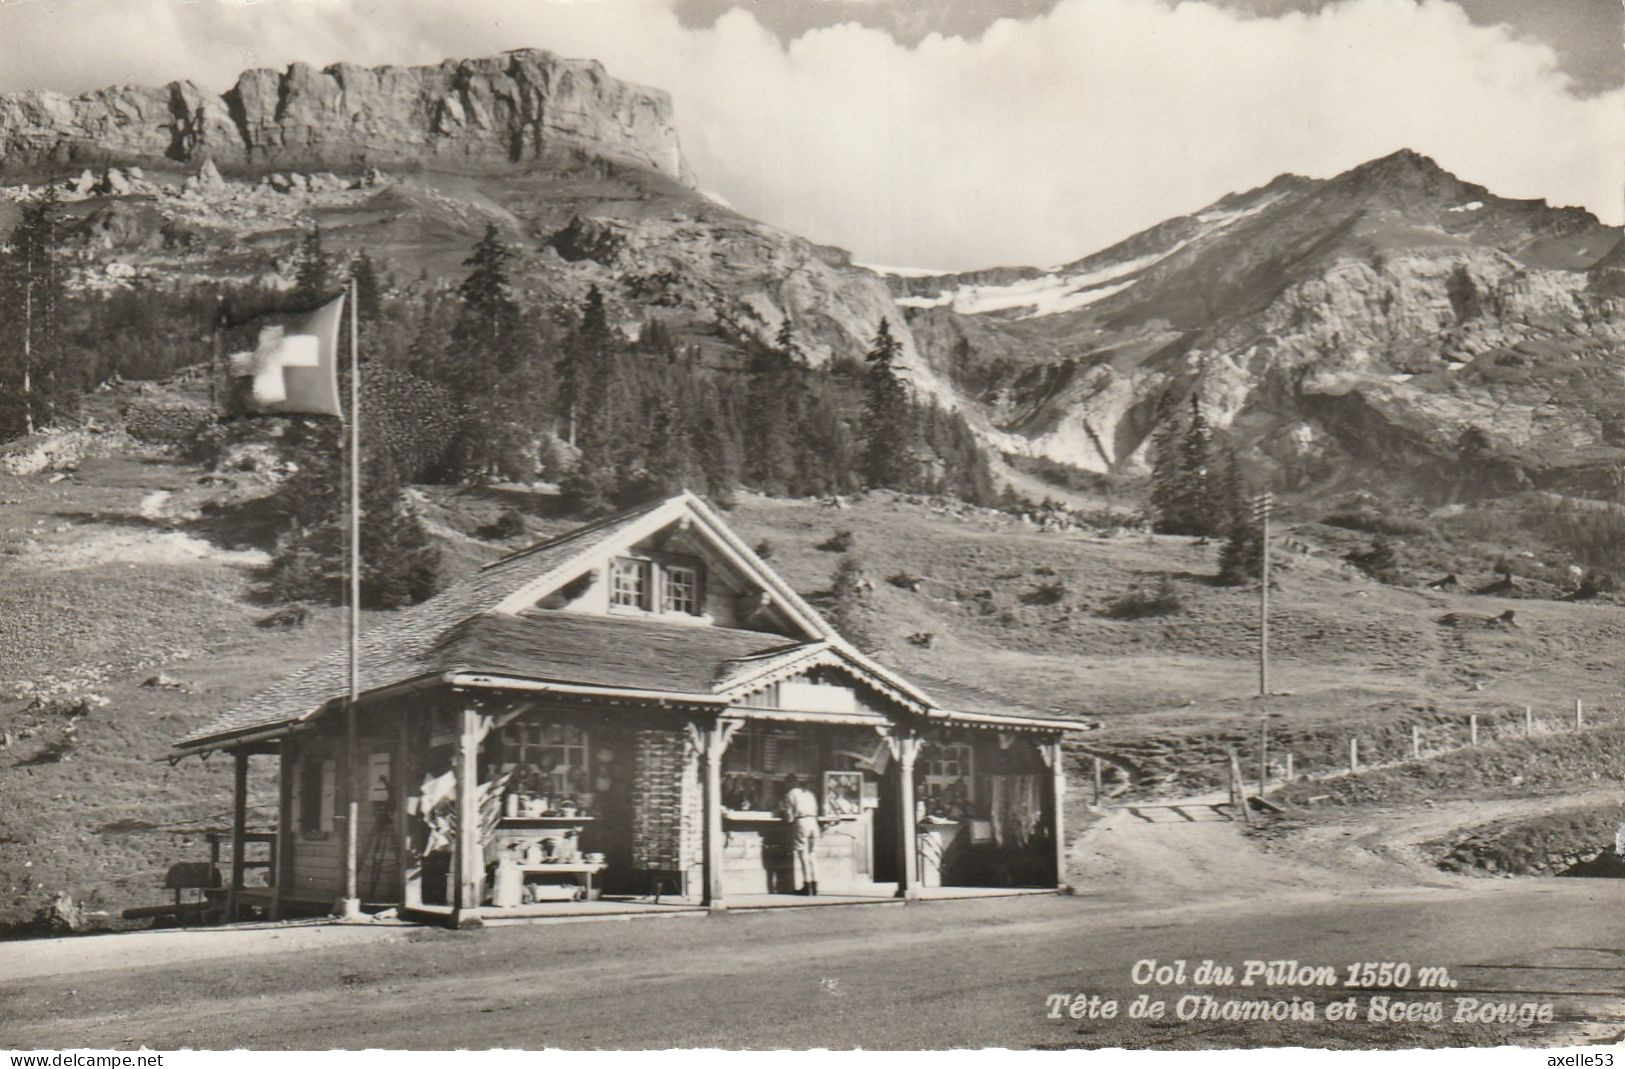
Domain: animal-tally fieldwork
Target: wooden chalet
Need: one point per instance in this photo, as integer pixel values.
(614, 712)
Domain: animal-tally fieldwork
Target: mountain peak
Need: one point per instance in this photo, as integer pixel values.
(1405, 166)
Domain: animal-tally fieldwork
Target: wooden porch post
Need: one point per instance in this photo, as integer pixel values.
(470, 858)
(712, 756)
(239, 822)
(905, 748)
(1055, 757)
(283, 856)
(411, 865)
(712, 743)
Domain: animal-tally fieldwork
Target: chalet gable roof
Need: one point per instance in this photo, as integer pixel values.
(488, 624)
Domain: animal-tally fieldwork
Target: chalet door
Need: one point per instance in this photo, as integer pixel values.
(884, 829)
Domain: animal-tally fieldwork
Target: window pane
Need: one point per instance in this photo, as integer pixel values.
(629, 581)
(682, 590)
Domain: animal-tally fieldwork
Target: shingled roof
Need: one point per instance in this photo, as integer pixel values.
(484, 625)
(394, 649)
(963, 698)
(601, 651)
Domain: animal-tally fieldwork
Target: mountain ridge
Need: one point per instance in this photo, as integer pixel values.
(1328, 325)
(495, 112)
(1310, 316)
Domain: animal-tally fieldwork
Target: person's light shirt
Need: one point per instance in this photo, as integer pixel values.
(800, 802)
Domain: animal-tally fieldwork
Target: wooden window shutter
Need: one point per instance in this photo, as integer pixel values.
(329, 785)
(296, 799)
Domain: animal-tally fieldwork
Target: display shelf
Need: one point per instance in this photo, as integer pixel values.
(589, 867)
(762, 816)
(543, 822)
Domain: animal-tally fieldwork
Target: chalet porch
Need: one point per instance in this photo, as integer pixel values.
(611, 721)
(597, 807)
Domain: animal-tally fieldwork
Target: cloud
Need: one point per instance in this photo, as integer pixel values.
(1038, 141)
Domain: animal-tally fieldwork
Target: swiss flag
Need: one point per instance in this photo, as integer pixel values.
(293, 369)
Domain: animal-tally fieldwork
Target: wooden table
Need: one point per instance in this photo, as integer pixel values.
(584, 871)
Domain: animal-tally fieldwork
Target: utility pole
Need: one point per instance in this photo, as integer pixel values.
(1262, 507)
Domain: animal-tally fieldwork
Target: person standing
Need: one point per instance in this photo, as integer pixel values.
(799, 808)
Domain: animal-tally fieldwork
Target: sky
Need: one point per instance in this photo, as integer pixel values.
(956, 134)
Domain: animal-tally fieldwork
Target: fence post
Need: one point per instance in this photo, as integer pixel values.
(1416, 742)
(1263, 756)
(1097, 781)
(1238, 787)
(1354, 755)
(1472, 729)
(1289, 767)
(1579, 715)
(1528, 720)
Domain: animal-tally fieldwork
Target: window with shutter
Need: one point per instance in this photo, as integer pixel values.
(329, 785)
(309, 790)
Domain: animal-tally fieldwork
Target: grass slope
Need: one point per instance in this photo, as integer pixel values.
(105, 584)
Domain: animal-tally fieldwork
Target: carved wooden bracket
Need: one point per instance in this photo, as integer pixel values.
(904, 748)
(701, 740)
(695, 736)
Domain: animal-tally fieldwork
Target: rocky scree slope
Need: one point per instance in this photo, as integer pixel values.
(1335, 326)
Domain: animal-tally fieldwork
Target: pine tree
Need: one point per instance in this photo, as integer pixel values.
(400, 564)
(488, 327)
(847, 593)
(1196, 476)
(772, 415)
(490, 345)
(1167, 480)
(32, 287)
(784, 344)
(1188, 484)
(1230, 501)
(368, 293)
(719, 438)
(1242, 557)
(672, 463)
(887, 417)
(312, 271)
(585, 352)
(604, 415)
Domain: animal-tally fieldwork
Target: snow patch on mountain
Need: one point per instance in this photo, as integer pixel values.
(1048, 294)
(903, 272)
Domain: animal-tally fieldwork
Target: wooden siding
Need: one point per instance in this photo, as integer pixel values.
(316, 858)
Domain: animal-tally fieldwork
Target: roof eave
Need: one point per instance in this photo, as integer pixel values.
(275, 728)
(491, 681)
(1000, 719)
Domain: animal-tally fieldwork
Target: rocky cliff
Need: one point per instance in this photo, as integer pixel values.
(521, 108)
(582, 175)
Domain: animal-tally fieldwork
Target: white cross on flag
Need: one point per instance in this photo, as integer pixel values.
(294, 370)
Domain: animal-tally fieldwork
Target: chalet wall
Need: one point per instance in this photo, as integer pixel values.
(316, 868)
(657, 803)
(667, 828)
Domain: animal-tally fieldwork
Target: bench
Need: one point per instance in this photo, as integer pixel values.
(183, 876)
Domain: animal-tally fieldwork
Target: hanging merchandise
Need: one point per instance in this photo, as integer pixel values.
(1015, 809)
(996, 809)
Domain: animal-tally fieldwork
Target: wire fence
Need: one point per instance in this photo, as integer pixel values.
(1270, 763)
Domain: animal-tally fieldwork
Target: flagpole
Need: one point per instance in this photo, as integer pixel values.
(352, 900)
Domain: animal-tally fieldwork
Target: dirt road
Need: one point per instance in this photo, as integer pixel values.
(926, 975)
